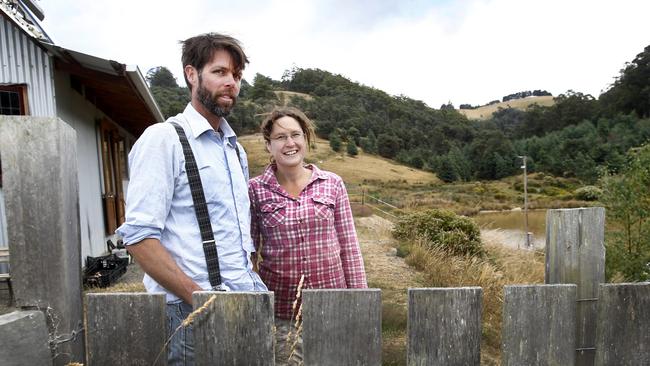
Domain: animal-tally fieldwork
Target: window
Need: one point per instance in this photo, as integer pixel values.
(113, 152)
(13, 100)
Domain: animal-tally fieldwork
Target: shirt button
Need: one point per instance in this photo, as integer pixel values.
(300, 220)
(304, 259)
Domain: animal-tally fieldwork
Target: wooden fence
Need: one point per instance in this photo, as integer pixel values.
(343, 327)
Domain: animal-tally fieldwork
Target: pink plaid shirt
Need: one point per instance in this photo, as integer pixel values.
(312, 235)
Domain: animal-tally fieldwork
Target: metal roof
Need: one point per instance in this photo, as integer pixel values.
(119, 90)
(24, 14)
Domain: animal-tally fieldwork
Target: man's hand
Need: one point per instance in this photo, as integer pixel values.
(156, 261)
(256, 259)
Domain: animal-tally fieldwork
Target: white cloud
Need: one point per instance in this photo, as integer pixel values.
(469, 51)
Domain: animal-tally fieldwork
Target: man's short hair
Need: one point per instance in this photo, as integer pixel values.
(199, 50)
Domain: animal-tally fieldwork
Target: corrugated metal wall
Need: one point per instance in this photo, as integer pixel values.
(23, 62)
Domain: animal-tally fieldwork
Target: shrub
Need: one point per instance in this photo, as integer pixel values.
(441, 228)
(551, 191)
(588, 193)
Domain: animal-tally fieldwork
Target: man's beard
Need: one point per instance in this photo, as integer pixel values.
(211, 103)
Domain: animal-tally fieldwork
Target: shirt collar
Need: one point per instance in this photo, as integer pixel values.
(268, 176)
(316, 173)
(198, 125)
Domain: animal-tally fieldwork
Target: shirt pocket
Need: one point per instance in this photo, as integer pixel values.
(215, 182)
(323, 207)
(273, 213)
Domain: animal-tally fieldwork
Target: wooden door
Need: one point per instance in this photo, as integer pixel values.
(113, 153)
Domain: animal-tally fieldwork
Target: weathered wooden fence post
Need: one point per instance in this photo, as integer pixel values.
(342, 327)
(236, 328)
(444, 326)
(24, 339)
(575, 253)
(39, 169)
(126, 329)
(623, 325)
(539, 325)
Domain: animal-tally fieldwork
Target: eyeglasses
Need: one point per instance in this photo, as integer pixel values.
(295, 136)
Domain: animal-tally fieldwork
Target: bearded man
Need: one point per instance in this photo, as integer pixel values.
(162, 228)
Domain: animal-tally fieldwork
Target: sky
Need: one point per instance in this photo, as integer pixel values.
(436, 51)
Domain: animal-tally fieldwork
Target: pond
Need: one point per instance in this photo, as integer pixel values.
(511, 226)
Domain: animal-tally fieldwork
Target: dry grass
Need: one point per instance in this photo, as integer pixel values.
(359, 210)
(366, 167)
(501, 267)
(486, 112)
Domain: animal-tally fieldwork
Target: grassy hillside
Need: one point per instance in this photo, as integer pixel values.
(486, 112)
(285, 96)
(354, 170)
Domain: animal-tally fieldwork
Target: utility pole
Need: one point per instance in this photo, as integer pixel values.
(526, 233)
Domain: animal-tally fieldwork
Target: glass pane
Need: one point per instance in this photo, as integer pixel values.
(4, 99)
(14, 100)
(9, 103)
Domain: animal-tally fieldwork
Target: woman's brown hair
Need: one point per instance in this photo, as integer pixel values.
(305, 123)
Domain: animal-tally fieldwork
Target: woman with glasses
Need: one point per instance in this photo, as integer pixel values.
(301, 224)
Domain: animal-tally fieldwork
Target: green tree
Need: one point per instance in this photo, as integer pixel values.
(171, 101)
(388, 145)
(244, 89)
(627, 198)
(446, 170)
(417, 162)
(462, 166)
(354, 134)
(262, 90)
(492, 155)
(369, 143)
(242, 118)
(335, 141)
(631, 91)
(162, 77)
(352, 148)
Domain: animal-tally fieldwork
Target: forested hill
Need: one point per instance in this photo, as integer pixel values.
(577, 136)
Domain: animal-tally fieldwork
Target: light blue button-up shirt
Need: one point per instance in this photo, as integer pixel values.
(159, 202)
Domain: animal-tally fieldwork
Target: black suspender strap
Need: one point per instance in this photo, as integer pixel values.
(201, 209)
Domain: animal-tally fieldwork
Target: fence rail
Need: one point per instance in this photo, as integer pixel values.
(392, 212)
